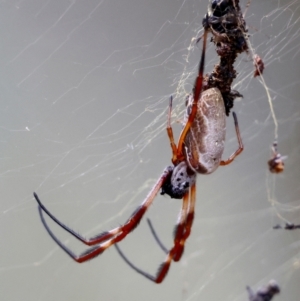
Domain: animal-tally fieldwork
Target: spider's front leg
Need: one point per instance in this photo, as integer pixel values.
(196, 96)
(177, 151)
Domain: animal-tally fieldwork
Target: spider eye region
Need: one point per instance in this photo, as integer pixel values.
(181, 179)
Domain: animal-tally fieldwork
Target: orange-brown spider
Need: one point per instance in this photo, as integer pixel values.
(199, 150)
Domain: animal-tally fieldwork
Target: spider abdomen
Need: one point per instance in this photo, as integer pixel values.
(204, 142)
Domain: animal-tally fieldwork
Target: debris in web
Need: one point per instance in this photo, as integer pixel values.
(288, 226)
(259, 65)
(225, 21)
(265, 293)
(276, 164)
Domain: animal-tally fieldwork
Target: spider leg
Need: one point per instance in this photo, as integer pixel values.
(157, 239)
(241, 146)
(108, 238)
(59, 243)
(177, 248)
(196, 94)
(62, 225)
(188, 223)
(170, 133)
(179, 230)
(134, 267)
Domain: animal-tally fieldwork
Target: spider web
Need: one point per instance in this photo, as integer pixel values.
(85, 88)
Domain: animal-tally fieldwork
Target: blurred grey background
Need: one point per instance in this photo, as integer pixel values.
(84, 95)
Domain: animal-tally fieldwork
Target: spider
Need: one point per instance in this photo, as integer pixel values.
(199, 150)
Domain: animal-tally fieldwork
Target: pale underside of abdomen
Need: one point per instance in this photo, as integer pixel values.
(204, 143)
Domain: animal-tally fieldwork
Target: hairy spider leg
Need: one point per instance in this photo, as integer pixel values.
(177, 151)
(188, 226)
(182, 231)
(241, 146)
(178, 233)
(108, 238)
(194, 107)
(170, 133)
(188, 223)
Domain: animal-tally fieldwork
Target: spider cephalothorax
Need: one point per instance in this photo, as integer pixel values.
(179, 182)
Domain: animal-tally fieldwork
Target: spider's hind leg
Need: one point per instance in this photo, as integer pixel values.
(182, 232)
(241, 146)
